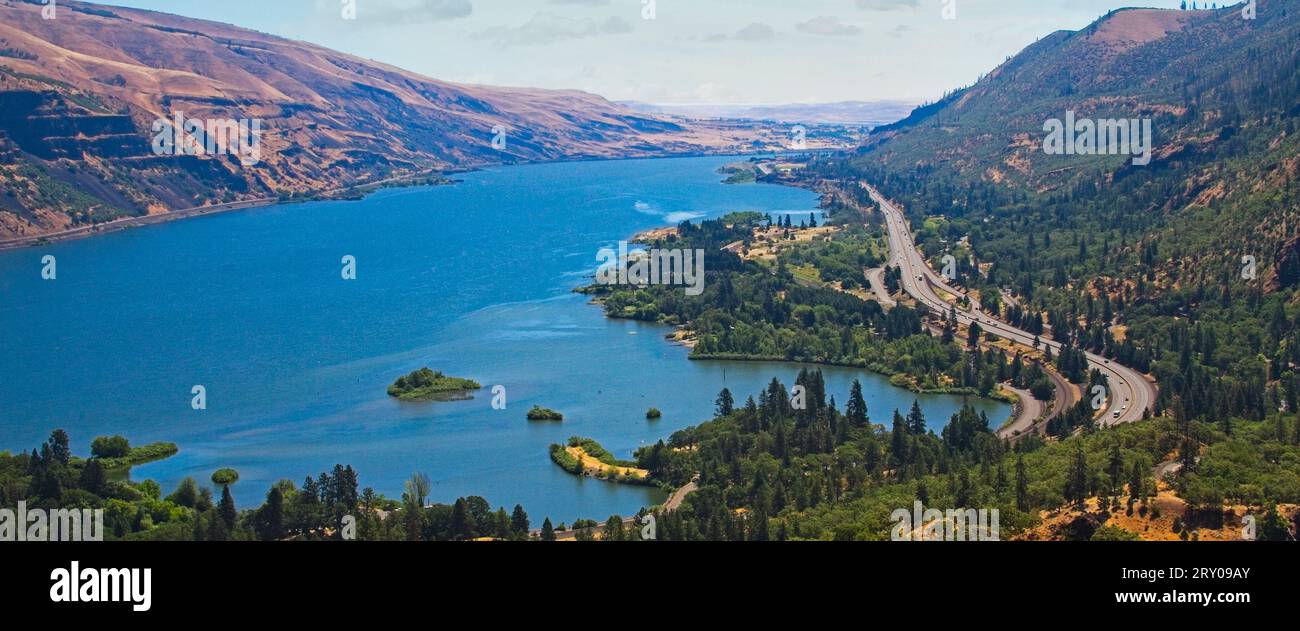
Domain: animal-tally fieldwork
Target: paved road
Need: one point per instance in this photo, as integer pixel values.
(876, 279)
(674, 502)
(1131, 394)
(1031, 411)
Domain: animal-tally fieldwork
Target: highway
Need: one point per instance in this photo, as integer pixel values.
(1131, 394)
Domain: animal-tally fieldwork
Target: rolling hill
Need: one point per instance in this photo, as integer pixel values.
(79, 95)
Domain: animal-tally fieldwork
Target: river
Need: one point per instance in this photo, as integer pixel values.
(473, 279)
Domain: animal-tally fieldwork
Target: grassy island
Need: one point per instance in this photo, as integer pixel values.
(584, 456)
(140, 455)
(225, 477)
(539, 413)
(427, 385)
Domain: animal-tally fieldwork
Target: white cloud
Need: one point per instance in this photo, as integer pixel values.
(390, 12)
(827, 25)
(549, 28)
(756, 32)
(888, 5)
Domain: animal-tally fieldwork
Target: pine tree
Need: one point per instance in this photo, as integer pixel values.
(59, 446)
(1076, 483)
(1135, 478)
(856, 410)
(227, 508)
(273, 515)
(92, 477)
(916, 419)
(460, 520)
(899, 441)
(519, 523)
(724, 403)
(501, 521)
(1115, 467)
(548, 531)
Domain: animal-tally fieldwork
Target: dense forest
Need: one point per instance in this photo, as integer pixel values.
(771, 472)
(753, 310)
(328, 506)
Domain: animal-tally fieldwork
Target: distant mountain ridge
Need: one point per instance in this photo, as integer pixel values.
(80, 93)
(1220, 90)
(864, 113)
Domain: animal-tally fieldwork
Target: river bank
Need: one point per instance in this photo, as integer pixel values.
(474, 279)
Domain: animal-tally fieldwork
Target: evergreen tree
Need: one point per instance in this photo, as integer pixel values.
(1076, 483)
(1136, 476)
(724, 403)
(548, 531)
(227, 508)
(92, 477)
(916, 419)
(899, 441)
(519, 523)
(856, 410)
(461, 526)
(271, 516)
(59, 448)
(1115, 467)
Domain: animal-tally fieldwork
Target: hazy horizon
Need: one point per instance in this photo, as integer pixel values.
(723, 52)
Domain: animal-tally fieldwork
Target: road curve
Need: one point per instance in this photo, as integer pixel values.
(1131, 393)
(1030, 411)
(876, 281)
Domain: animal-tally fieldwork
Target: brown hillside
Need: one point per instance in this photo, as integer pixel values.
(82, 91)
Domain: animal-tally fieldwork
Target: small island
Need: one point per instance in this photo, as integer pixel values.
(539, 413)
(427, 385)
(653, 414)
(225, 477)
(116, 453)
(586, 457)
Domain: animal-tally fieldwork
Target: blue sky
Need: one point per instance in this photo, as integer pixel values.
(693, 51)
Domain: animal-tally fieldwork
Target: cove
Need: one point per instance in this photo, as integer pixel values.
(473, 279)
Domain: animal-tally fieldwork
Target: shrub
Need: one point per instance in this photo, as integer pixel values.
(225, 477)
(110, 447)
(539, 413)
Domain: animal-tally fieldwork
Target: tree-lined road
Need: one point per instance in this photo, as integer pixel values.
(1131, 394)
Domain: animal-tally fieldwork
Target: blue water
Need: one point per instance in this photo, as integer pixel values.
(472, 279)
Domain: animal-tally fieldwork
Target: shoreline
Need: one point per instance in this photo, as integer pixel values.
(126, 223)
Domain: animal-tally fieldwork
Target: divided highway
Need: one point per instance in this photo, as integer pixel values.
(1131, 394)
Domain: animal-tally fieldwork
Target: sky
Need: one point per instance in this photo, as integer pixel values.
(677, 51)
